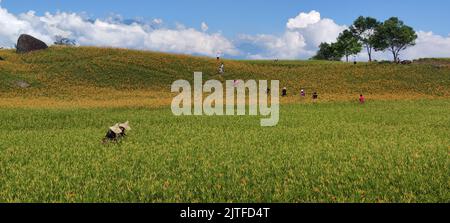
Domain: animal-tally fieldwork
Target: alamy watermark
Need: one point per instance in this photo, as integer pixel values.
(236, 93)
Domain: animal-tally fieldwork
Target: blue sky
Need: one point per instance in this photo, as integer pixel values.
(249, 16)
(248, 29)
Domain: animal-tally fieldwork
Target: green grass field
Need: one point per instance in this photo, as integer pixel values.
(395, 148)
(384, 151)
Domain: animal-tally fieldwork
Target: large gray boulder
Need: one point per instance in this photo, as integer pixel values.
(27, 43)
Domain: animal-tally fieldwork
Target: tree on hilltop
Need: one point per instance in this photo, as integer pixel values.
(348, 44)
(364, 29)
(328, 51)
(393, 35)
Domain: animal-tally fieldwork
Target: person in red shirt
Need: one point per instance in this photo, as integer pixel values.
(362, 100)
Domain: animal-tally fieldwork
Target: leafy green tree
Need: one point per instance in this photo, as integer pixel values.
(348, 44)
(364, 29)
(393, 35)
(328, 52)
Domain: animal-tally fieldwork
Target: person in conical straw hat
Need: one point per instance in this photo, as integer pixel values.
(124, 127)
(117, 131)
(113, 133)
(116, 128)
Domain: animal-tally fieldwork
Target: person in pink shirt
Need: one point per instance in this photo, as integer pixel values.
(362, 99)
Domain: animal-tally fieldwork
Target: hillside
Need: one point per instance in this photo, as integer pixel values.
(52, 148)
(89, 76)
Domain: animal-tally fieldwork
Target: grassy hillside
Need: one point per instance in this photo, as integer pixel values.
(91, 75)
(383, 151)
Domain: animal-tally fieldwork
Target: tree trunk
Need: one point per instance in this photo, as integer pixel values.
(346, 57)
(369, 52)
(395, 57)
(395, 54)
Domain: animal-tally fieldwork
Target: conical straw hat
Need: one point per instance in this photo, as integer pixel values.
(116, 129)
(125, 125)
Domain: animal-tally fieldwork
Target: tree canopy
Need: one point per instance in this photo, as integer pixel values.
(328, 51)
(393, 35)
(364, 29)
(348, 44)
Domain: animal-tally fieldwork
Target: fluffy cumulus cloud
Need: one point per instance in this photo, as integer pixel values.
(325, 30)
(303, 35)
(303, 20)
(428, 44)
(113, 33)
(290, 45)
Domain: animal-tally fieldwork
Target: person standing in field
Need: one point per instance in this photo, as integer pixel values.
(362, 99)
(284, 92)
(221, 68)
(302, 93)
(315, 96)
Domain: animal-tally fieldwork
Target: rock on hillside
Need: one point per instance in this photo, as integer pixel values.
(27, 43)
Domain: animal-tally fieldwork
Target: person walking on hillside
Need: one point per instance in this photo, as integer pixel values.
(222, 69)
(315, 96)
(284, 92)
(302, 93)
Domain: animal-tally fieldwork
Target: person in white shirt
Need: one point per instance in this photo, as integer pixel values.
(222, 69)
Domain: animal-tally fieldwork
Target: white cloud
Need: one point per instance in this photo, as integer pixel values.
(204, 27)
(428, 44)
(112, 34)
(301, 39)
(157, 21)
(326, 30)
(303, 20)
(192, 42)
(290, 45)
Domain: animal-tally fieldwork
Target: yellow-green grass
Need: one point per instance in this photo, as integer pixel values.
(384, 151)
(395, 148)
(91, 77)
